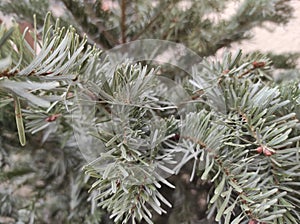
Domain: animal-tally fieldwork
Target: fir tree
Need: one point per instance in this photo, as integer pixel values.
(207, 141)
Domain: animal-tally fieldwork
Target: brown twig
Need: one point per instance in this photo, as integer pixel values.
(255, 65)
(7, 74)
(197, 94)
(123, 21)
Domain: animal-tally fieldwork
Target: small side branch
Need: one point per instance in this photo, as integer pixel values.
(255, 65)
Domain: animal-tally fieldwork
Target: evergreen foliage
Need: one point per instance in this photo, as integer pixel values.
(157, 145)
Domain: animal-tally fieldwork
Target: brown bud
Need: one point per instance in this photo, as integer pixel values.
(252, 221)
(259, 149)
(70, 94)
(258, 64)
(52, 117)
(176, 137)
(267, 152)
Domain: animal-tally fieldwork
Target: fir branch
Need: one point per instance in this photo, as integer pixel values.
(136, 138)
(106, 40)
(152, 21)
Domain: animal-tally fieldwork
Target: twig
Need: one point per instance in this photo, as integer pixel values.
(255, 66)
(123, 21)
(8, 74)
